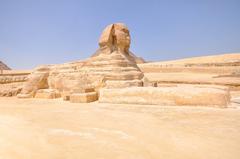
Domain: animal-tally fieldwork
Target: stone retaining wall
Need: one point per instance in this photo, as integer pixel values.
(180, 95)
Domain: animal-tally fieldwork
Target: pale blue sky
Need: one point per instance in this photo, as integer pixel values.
(34, 32)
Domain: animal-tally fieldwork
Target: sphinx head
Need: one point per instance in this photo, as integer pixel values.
(115, 37)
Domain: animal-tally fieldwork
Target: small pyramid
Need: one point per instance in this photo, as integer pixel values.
(3, 66)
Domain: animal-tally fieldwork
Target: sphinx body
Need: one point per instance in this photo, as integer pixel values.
(113, 65)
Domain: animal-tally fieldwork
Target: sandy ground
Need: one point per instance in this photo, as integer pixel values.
(54, 129)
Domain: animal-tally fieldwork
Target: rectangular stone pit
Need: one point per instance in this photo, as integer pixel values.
(83, 97)
(180, 95)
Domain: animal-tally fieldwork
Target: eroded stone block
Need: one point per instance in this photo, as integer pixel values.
(47, 94)
(188, 95)
(83, 97)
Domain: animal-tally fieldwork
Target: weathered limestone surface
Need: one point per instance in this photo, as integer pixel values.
(47, 94)
(86, 90)
(83, 97)
(66, 76)
(66, 95)
(11, 82)
(169, 95)
(123, 84)
(10, 89)
(36, 80)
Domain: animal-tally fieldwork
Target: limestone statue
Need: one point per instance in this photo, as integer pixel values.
(113, 65)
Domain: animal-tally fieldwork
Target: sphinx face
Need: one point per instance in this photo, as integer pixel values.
(115, 37)
(122, 37)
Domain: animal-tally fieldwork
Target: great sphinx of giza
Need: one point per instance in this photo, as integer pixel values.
(112, 66)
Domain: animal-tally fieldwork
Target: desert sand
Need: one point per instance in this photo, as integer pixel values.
(56, 129)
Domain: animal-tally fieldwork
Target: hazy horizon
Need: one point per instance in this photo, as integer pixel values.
(57, 31)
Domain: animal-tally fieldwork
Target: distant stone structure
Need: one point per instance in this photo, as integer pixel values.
(3, 67)
(216, 69)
